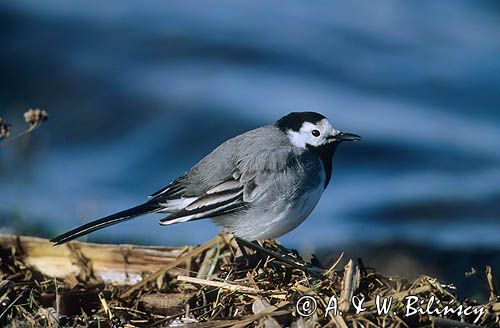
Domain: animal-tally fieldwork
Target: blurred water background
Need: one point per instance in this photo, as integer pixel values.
(140, 91)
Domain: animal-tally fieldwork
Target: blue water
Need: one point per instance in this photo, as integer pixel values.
(138, 92)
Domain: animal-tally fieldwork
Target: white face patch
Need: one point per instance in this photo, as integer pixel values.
(308, 134)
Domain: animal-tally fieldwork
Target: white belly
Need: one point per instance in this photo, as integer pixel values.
(275, 220)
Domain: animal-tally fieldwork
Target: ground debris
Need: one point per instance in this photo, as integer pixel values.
(224, 283)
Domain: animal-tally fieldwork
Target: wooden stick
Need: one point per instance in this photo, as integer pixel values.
(349, 284)
(334, 265)
(169, 266)
(245, 321)
(400, 295)
(105, 306)
(107, 259)
(11, 304)
(218, 284)
(205, 265)
(491, 284)
(449, 323)
(339, 321)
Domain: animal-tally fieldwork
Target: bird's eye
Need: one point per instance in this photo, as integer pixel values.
(315, 133)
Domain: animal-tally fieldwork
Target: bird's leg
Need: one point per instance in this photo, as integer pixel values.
(242, 259)
(242, 249)
(279, 257)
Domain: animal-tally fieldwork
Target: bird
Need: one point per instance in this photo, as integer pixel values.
(258, 185)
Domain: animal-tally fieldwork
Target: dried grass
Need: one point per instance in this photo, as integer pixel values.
(219, 287)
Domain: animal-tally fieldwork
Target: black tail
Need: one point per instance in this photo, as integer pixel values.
(105, 222)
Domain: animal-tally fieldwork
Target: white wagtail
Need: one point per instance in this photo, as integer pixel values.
(258, 185)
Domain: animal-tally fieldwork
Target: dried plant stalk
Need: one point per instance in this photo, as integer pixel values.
(127, 285)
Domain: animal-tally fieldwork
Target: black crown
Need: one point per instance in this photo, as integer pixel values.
(294, 121)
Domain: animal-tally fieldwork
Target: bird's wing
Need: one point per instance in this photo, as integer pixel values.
(224, 198)
(173, 190)
(235, 193)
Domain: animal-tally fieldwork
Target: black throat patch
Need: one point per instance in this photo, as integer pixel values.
(325, 152)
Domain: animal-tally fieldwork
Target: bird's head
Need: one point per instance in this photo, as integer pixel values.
(312, 130)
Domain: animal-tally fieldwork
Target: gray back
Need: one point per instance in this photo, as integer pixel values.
(222, 162)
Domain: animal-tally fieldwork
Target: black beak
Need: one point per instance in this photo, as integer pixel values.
(343, 136)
